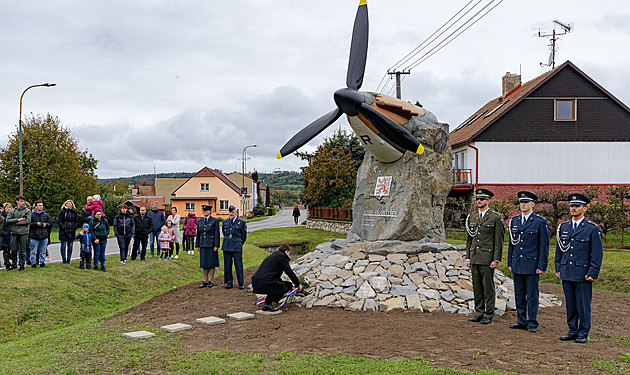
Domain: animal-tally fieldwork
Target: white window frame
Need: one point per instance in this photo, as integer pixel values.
(204, 185)
(223, 205)
(189, 206)
(555, 110)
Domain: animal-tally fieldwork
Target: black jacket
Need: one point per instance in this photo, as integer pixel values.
(37, 232)
(267, 277)
(5, 235)
(85, 216)
(144, 226)
(124, 224)
(67, 221)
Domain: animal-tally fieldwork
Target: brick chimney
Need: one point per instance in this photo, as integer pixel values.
(509, 82)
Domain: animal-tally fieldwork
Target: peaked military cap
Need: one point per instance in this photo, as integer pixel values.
(483, 194)
(231, 208)
(577, 199)
(526, 196)
(206, 207)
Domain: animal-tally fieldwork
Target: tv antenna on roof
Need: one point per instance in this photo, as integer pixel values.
(553, 37)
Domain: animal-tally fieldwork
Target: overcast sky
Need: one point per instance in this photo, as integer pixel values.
(178, 85)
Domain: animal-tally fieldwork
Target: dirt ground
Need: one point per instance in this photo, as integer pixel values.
(447, 339)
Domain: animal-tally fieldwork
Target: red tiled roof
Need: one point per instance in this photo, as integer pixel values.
(209, 172)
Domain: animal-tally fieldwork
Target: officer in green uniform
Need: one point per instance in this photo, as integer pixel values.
(484, 248)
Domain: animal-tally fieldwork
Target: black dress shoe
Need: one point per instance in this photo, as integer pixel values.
(531, 329)
(42, 265)
(581, 340)
(241, 286)
(203, 285)
(568, 338)
(485, 320)
(475, 319)
(228, 286)
(210, 284)
(518, 326)
(268, 307)
(33, 265)
(21, 268)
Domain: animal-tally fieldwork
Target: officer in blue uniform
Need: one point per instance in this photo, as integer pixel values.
(234, 236)
(528, 254)
(579, 253)
(207, 240)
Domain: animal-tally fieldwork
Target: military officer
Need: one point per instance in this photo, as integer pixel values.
(234, 236)
(484, 248)
(208, 244)
(579, 253)
(528, 254)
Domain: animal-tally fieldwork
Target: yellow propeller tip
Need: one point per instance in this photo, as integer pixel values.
(362, 2)
(279, 155)
(420, 150)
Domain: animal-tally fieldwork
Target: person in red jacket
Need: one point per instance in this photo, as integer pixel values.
(190, 231)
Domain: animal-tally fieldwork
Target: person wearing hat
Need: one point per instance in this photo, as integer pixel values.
(579, 253)
(208, 245)
(528, 254)
(85, 240)
(484, 248)
(234, 236)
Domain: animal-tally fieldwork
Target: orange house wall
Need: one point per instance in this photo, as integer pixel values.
(218, 189)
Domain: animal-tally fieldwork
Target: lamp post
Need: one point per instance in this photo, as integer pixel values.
(243, 200)
(47, 84)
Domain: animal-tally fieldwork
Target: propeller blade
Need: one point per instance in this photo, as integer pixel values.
(358, 48)
(309, 132)
(391, 130)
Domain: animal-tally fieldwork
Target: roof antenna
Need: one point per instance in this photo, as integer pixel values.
(553, 37)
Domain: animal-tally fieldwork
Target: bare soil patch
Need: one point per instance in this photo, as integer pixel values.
(447, 339)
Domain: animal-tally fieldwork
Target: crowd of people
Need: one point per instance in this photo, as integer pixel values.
(25, 233)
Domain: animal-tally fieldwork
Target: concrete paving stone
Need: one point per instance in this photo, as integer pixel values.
(138, 335)
(241, 316)
(211, 320)
(176, 327)
(261, 312)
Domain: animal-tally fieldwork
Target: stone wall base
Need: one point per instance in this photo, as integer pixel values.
(331, 226)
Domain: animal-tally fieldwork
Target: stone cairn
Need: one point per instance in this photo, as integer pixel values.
(388, 275)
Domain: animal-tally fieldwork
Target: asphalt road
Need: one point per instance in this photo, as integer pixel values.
(283, 218)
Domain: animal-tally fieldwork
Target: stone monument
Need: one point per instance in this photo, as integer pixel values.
(404, 199)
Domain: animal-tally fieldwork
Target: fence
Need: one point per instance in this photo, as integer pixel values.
(330, 213)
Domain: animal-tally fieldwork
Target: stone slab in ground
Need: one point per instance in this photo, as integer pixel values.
(211, 320)
(241, 316)
(261, 312)
(138, 334)
(176, 327)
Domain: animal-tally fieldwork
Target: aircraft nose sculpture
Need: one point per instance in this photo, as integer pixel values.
(381, 135)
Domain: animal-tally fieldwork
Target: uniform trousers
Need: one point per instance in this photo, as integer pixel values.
(483, 288)
(526, 296)
(237, 258)
(578, 296)
(19, 245)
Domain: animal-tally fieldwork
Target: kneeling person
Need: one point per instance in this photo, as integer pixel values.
(267, 279)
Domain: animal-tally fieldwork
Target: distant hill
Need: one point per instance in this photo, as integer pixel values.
(145, 179)
(283, 180)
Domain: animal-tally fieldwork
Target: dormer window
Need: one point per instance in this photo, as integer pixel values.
(565, 110)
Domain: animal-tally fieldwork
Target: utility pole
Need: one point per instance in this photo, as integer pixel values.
(398, 87)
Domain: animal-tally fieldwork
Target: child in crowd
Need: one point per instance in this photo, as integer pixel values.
(171, 232)
(165, 239)
(97, 205)
(85, 239)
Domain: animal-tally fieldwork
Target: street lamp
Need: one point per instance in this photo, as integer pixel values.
(243, 200)
(47, 84)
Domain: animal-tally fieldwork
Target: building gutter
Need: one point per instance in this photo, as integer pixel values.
(476, 163)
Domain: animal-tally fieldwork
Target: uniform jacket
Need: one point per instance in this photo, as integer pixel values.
(5, 235)
(208, 232)
(487, 244)
(584, 251)
(144, 226)
(67, 221)
(234, 235)
(157, 217)
(19, 227)
(99, 229)
(267, 277)
(85, 239)
(37, 232)
(124, 224)
(528, 248)
(190, 225)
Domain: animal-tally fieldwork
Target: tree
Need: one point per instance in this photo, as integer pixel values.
(347, 141)
(55, 168)
(504, 207)
(329, 178)
(553, 206)
(268, 196)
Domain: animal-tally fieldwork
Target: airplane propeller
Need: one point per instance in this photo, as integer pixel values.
(352, 102)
